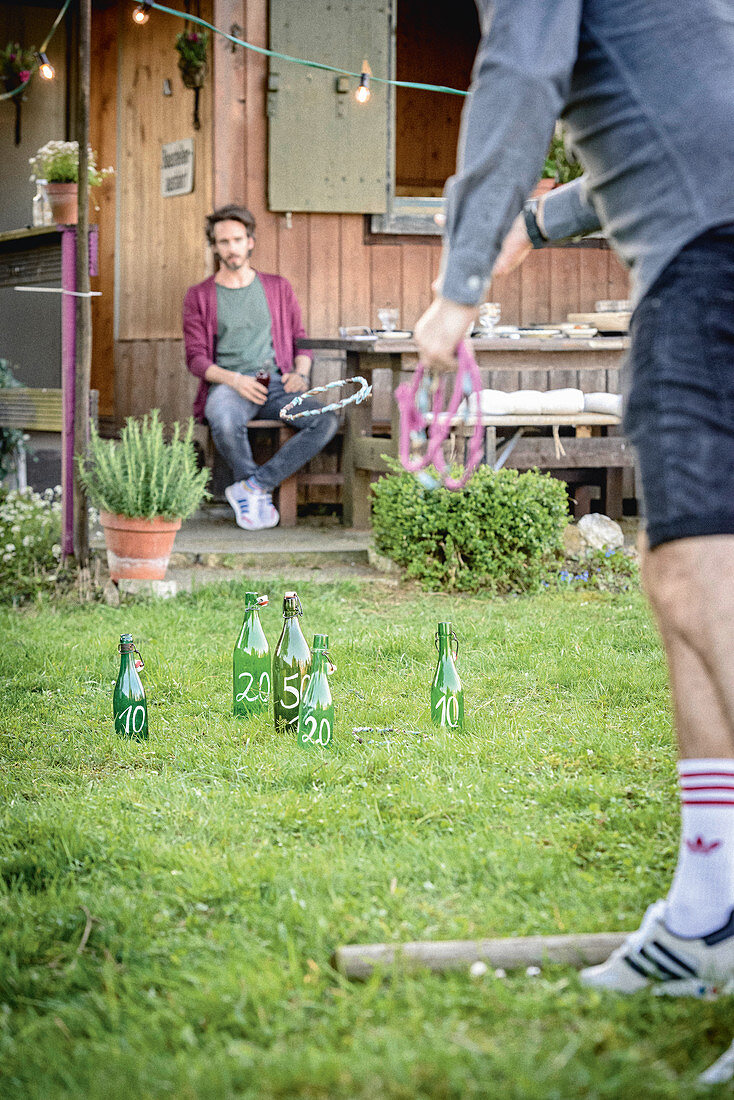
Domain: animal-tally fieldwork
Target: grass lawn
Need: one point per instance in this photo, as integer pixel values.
(168, 910)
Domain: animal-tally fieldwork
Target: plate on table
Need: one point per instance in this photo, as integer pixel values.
(540, 332)
(396, 334)
(579, 332)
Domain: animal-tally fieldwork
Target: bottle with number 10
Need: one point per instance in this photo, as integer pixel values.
(251, 663)
(447, 695)
(129, 707)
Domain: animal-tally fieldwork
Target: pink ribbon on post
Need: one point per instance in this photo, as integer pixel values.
(413, 421)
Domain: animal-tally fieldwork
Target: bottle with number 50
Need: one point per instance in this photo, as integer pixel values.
(251, 663)
(129, 707)
(316, 713)
(291, 660)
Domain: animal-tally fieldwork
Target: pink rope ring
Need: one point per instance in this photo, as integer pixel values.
(414, 423)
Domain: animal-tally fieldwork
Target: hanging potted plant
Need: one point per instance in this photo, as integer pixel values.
(191, 47)
(144, 487)
(57, 164)
(16, 67)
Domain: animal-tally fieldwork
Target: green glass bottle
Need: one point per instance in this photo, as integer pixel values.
(129, 707)
(291, 661)
(251, 662)
(316, 712)
(447, 695)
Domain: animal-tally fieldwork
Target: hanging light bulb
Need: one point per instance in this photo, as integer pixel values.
(363, 92)
(141, 14)
(45, 68)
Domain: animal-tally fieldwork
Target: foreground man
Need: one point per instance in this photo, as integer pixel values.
(237, 325)
(646, 91)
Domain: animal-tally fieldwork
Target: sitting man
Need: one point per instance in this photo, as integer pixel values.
(239, 324)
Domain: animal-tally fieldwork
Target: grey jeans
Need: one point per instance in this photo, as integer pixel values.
(228, 415)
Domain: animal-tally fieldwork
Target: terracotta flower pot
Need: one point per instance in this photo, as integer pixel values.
(62, 198)
(138, 548)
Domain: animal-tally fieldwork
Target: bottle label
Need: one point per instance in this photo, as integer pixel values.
(313, 730)
(446, 711)
(131, 720)
(251, 691)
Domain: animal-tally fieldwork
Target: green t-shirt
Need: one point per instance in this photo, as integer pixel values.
(244, 336)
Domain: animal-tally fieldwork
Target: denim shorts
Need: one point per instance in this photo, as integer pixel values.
(679, 408)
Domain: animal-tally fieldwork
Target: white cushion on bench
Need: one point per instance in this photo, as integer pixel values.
(608, 403)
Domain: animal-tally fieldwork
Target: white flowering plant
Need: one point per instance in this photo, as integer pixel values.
(58, 162)
(30, 550)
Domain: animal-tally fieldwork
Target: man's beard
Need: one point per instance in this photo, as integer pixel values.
(234, 263)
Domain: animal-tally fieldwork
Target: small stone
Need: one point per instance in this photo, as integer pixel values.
(600, 532)
(533, 971)
(162, 590)
(111, 594)
(478, 969)
(573, 543)
(500, 972)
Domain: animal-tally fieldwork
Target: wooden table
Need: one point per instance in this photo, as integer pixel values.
(525, 363)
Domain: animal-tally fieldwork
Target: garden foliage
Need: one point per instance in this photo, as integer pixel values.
(142, 475)
(30, 537)
(9, 437)
(501, 532)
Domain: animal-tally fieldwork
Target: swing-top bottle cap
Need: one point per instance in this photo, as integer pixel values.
(291, 603)
(126, 638)
(254, 599)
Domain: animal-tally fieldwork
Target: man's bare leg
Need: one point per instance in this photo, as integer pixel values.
(686, 943)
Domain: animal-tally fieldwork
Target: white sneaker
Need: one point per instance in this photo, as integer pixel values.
(245, 505)
(676, 965)
(268, 514)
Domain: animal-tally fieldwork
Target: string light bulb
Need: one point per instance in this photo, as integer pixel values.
(45, 68)
(363, 92)
(141, 14)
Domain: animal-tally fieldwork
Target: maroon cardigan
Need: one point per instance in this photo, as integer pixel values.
(200, 329)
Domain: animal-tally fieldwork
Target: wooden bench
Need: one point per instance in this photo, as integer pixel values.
(567, 457)
(287, 493)
(35, 410)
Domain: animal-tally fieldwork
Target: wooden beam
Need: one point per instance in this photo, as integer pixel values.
(581, 949)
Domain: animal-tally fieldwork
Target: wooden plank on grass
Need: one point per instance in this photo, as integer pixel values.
(359, 960)
(580, 949)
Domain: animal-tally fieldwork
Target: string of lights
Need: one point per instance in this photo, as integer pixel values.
(41, 63)
(141, 15)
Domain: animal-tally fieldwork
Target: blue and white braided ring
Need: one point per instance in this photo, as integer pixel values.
(357, 398)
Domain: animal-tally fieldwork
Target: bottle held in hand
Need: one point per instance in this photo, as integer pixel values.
(129, 706)
(447, 695)
(291, 662)
(263, 377)
(316, 713)
(251, 662)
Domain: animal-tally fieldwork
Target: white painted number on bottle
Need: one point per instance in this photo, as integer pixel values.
(323, 737)
(449, 705)
(133, 717)
(264, 687)
(289, 689)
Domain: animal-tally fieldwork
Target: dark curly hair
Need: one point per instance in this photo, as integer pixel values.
(231, 213)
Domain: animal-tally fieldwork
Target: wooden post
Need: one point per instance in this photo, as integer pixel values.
(583, 949)
(83, 302)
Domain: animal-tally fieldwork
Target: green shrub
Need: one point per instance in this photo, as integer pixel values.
(501, 532)
(9, 437)
(142, 475)
(30, 537)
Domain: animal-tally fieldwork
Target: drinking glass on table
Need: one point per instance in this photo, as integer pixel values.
(388, 317)
(489, 315)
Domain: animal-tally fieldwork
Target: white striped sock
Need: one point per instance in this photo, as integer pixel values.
(702, 895)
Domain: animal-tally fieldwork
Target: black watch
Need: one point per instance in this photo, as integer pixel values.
(530, 210)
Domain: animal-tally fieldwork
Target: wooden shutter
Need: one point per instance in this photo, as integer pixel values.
(327, 152)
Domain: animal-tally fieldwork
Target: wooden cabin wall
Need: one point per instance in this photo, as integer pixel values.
(340, 274)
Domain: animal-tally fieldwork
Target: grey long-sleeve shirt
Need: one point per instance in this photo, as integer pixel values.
(646, 91)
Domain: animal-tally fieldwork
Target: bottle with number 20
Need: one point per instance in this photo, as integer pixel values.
(316, 713)
(251, 663)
